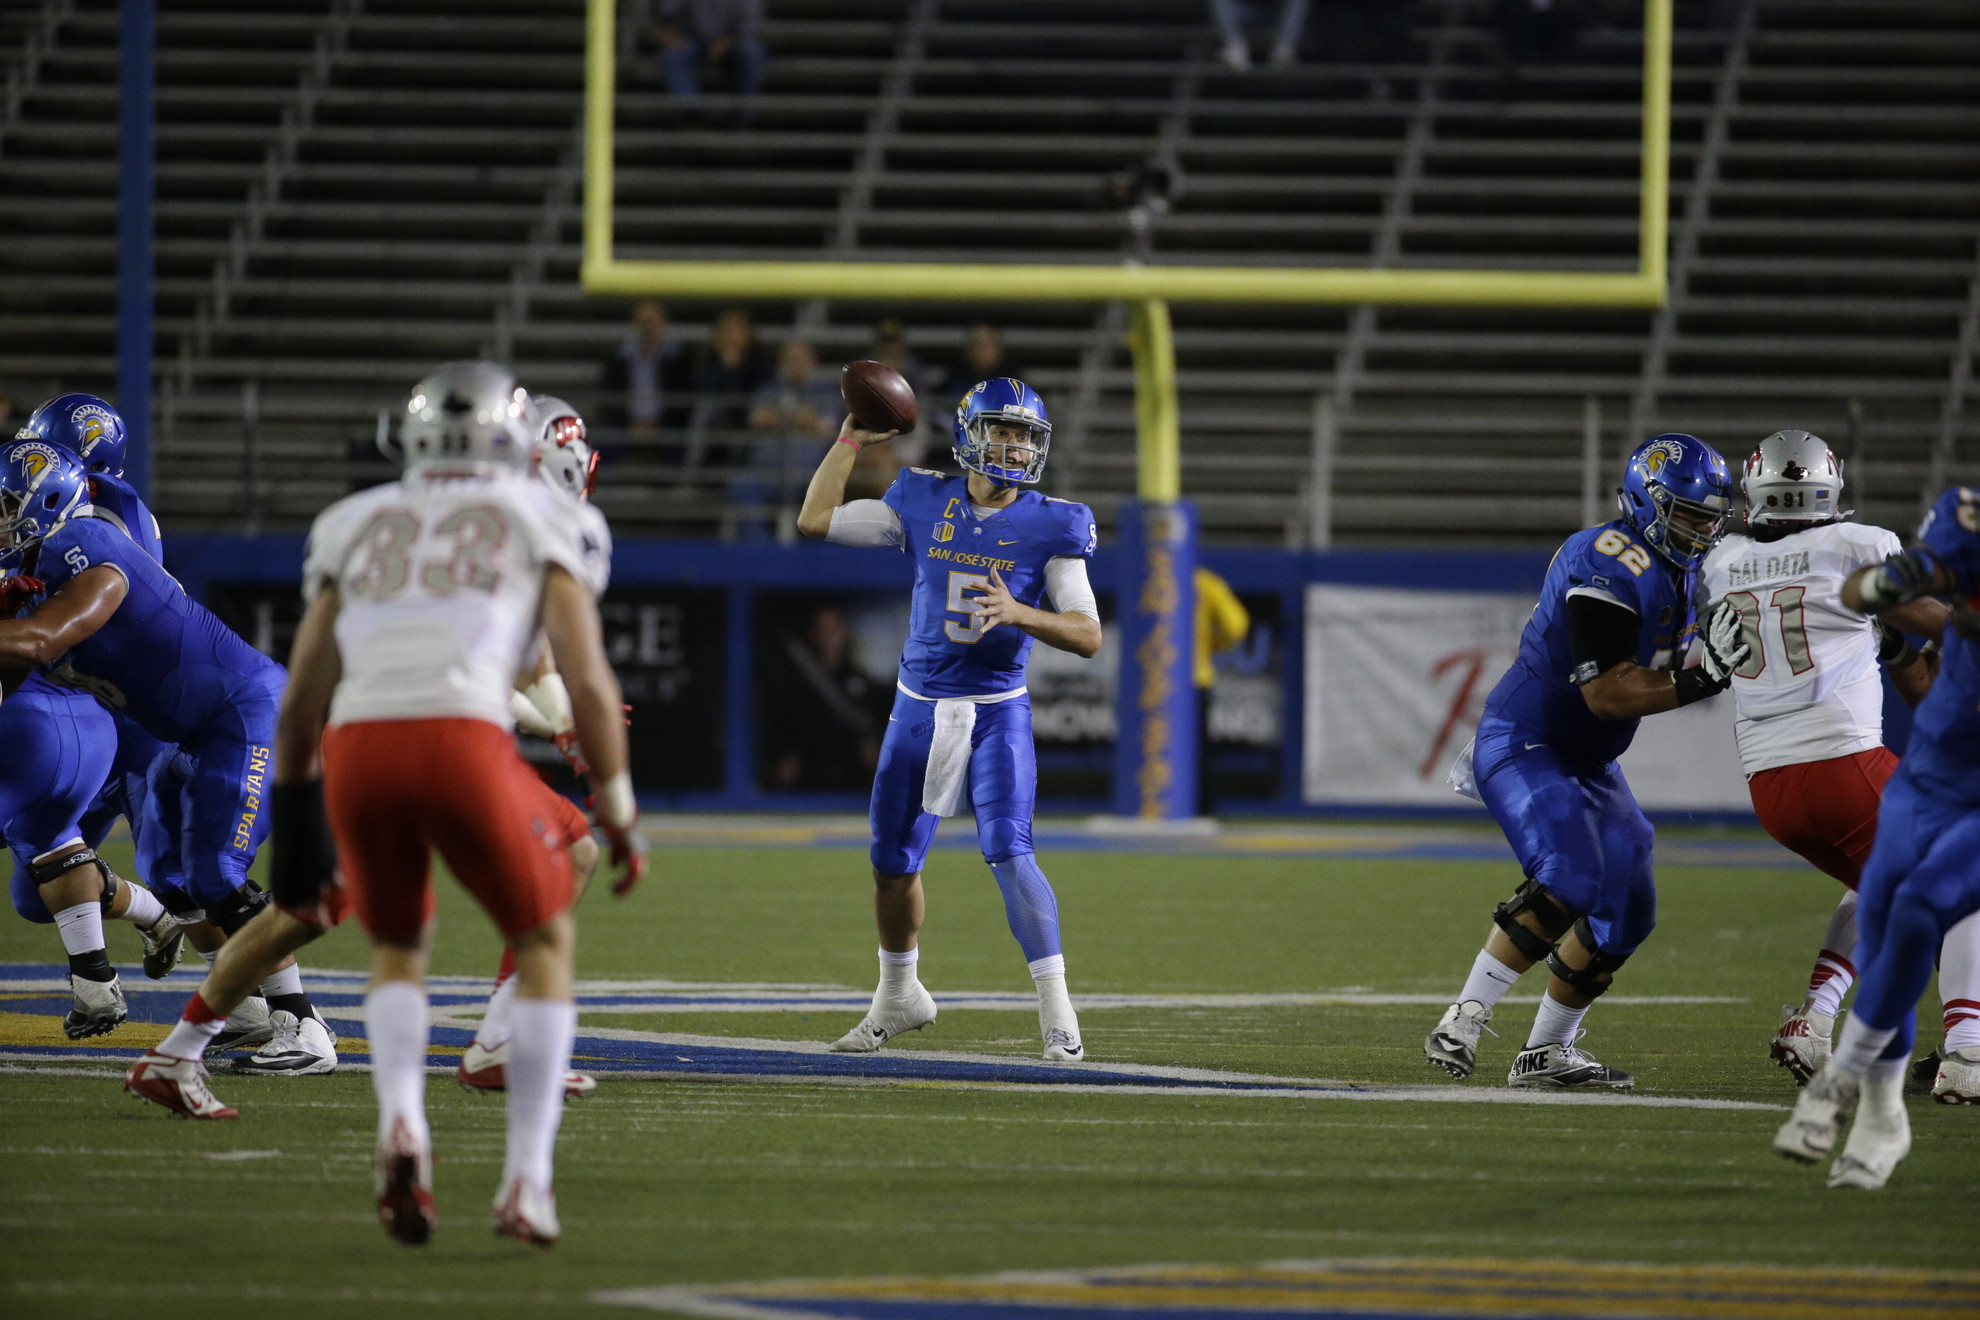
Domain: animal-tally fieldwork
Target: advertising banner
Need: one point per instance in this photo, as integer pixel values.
(1395, 682)
(1155, 703)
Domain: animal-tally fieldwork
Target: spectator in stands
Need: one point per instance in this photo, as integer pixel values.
(711, 31)
(1221, 623)
(6, 412)
(822, 716)
(1235, 52)
(982, 358)
(790, 416)
(724, 374)
(643, 371)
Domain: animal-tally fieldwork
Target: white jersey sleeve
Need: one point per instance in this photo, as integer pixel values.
(1810, 689)
(440, 581)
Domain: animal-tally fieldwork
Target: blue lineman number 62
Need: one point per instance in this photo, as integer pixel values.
(1624, 551)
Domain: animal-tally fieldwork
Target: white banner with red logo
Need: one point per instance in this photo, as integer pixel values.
(1395, 682)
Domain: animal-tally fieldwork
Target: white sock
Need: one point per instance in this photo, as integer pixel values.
(1488, 982)
(188, 1040)
(539, 1056)
(288, 981)
(897, 973)
(1054, 1003)
(1834, 974)
(494, 1028)
(1959, 984)
(395, 1024)
(144, 908)
(1554, 1024)
(1858, 1044)
(1886, 1075)
(81, 927)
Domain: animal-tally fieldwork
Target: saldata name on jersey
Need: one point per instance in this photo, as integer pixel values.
(1748, 572)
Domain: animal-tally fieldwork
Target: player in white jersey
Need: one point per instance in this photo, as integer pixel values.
(564, 460)
(1809, 697)
(424, 597)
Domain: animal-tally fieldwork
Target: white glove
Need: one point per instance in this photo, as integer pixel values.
(1725, 647)
(527, 717)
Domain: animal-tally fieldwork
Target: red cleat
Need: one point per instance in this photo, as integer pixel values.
(527, 1214)
(177, 1084)
(485, 1070)
(405, 1187)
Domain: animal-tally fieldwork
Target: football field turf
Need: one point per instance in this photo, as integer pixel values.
(721, 1148)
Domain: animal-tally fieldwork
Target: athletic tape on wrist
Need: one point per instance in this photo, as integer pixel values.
(616, 805)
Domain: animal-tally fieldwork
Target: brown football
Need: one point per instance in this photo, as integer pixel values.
(878, 397)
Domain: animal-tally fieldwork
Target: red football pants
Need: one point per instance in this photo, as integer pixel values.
(398, 790)
(1826, 810)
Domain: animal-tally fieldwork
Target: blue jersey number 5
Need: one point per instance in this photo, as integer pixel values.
(970, 631)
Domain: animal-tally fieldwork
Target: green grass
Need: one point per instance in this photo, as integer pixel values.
(109, 1208)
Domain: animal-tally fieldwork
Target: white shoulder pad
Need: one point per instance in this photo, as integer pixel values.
(330, 536)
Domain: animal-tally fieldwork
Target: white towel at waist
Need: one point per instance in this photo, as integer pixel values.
(948, 748)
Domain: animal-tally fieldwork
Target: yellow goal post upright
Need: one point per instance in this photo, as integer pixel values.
(1157, 773)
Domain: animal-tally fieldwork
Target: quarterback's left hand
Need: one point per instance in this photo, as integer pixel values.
(996, 605)
(1725, 649)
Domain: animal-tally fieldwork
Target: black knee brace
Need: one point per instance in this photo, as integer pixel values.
(1555, 920)
(238, 908)
(1600, 972)
(55, 868)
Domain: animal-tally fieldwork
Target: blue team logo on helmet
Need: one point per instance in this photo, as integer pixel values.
(1676, 493)
(41, 487)
(83, 424)
(1018, 456)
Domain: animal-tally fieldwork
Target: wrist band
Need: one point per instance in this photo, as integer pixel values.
(616, 805)
(848, 440)
(1694, 684)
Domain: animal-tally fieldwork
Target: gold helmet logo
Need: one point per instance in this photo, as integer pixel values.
(1660, 456)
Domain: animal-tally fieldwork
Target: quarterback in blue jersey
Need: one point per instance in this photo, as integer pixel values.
(116, 626)
(1921, 879)
(1602, 651)
(996, 567)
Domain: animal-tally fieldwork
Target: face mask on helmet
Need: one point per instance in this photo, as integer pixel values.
(1002, 432)
(1677, 493)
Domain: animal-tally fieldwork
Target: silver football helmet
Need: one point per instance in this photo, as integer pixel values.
(467, 413)
(563, 456)
(1792, 479)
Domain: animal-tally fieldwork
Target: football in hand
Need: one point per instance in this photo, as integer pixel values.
(878, 397)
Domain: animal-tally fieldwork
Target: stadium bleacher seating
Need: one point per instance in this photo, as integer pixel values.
(353, 190)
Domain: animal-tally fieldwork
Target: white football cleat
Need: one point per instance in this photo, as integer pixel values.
(527, 1213)
(884, 1021)
(248, 1027)
(98, 1008)
(300, 1049)
(177, 1084)
(1880, 1137)
(484, 1069)
(404, 1185)
(1816, 1124)
(164, 942)
(1958, 1080)
(1564, 1067)
(1453, 1044)
(1803, 1043)
(1063, 1046)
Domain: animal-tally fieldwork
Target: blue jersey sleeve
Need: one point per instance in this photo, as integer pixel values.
(1951, 531)
(78, 545)
(1079, 534)
(114, 499)
(1615, 564)
(906, 483)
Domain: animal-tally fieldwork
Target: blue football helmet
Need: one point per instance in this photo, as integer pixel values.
(1003, 400)
(1671, 474)
(41, 487)
(84, 425)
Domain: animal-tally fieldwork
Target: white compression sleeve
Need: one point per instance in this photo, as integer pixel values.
(1066, 584)
(867, 523)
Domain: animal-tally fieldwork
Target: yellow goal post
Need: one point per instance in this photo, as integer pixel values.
(1147, 289)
